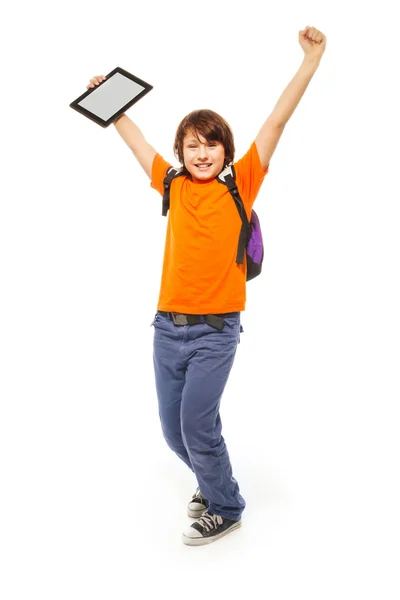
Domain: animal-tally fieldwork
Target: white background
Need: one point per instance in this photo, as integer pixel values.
(93, 503)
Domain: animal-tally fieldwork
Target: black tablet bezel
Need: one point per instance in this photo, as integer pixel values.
(75, 104)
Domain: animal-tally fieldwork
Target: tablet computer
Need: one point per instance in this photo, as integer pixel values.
(104, 103)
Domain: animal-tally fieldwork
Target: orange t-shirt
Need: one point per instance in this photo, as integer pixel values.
(200, 274)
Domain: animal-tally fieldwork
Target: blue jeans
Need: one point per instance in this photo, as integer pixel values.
(192, 364)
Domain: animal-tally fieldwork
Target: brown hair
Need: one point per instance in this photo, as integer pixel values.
(211, 126)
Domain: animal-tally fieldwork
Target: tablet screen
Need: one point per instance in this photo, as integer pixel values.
(112, 97)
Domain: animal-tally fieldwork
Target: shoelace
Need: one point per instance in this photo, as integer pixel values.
(209, 522)
(198, 495)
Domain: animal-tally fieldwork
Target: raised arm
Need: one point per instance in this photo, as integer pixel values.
(313, 43)
(134, 138)
(131, 135)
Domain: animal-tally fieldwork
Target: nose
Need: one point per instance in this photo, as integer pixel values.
(202, 152)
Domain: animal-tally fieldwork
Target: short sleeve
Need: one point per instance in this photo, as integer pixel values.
(158, 172)
(250, 176)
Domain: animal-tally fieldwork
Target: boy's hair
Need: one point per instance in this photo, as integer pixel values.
(210, 126)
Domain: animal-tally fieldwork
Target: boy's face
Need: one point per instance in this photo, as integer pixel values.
(203, 159)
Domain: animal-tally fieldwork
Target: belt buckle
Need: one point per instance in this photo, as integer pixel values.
(179, 319)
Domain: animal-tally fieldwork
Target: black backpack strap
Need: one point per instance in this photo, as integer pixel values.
(171, 174)
(227, 177)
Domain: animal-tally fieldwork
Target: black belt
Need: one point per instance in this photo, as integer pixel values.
(216, 321)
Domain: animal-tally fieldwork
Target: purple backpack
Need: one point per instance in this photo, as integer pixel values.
(250, 237)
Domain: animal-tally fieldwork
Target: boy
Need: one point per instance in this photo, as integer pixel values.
(203, 289)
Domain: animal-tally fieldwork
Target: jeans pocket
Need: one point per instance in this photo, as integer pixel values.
(154, 320)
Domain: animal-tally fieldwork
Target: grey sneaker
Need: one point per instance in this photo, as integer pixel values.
(209, 528)
(198, 505)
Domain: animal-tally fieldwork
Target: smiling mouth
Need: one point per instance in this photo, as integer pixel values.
(203, 166)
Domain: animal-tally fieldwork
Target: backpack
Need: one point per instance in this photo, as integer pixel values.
(250, 237)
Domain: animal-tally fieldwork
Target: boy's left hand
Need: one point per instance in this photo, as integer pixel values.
(313, 42)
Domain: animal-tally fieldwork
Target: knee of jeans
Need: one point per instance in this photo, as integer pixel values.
(173, 438)
(188, 429)
(174, 443)
(195, 437)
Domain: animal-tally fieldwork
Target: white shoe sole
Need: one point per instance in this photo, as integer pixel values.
(200, 541)
(196, 514)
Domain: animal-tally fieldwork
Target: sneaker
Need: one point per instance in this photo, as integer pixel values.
(198, 505)
(209, 528)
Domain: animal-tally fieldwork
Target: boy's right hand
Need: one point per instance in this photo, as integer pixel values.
(95, 81)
